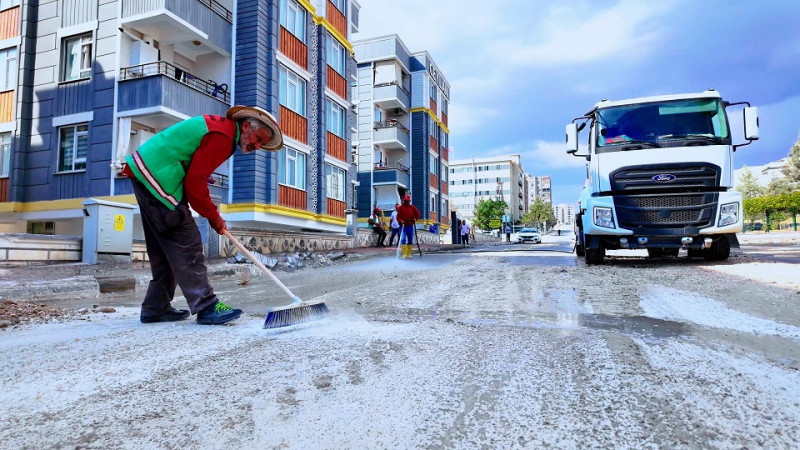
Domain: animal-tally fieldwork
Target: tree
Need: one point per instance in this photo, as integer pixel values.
(791, 171)
(748, 185)
(539, 214)
(487, 210)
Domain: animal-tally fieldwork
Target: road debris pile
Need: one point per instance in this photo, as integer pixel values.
(294, 261)
(14, 313)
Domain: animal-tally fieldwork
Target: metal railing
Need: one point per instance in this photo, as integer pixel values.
(391, 124)
(218, 9)
(208, 87)
(393, 83)
(398, 166)
(218, 179)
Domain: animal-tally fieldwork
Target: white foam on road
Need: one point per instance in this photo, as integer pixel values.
(662, 302)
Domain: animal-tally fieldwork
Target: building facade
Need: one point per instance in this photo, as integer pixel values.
(99, 78)
(496, 178)
(402, 139)
(539, 187)
(565, 215)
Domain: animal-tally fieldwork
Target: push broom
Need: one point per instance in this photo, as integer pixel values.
(294, 313)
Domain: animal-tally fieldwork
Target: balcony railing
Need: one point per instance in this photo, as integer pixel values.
(404, 90)
(218, 179)
(392, 166)
(218, 9)
(391, 124)
(210, 88)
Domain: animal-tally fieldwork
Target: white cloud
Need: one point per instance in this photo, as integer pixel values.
(540, 154)
(464, 119)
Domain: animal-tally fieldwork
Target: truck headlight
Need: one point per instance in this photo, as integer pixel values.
(728, 214)
(603, 217)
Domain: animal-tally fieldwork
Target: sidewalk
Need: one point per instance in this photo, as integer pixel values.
(773, 237)
(78, 280)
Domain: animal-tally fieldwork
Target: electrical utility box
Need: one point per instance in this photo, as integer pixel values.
(107, 230)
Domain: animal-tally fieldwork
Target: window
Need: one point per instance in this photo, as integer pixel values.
(5, 154)
(336, 55)
(431, 126)
(73, 141)
(335, 181)
(432, 163)
(8, 69)
(433, 91)
(443, 171)
(292, 168)
(293, 18)
(76, 57)
(339, 4)
(378, 115)
(444, 106)
(444, 206)
(433, 203)
(335, 119)
(41, 227)
(292, 91)
(5, 4)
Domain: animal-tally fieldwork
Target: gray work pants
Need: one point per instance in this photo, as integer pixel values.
(176, 255)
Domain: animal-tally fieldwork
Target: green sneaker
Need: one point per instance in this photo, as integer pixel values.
(217, 314)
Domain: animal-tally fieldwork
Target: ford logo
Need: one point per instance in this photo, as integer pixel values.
(665, 177)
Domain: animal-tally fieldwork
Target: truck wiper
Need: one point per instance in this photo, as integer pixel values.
(704, 137)
(636, 145)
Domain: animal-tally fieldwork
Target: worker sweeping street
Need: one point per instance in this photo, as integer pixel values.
(407, 215)
(170, 172)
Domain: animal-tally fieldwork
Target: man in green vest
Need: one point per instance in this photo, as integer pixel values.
(169, 172)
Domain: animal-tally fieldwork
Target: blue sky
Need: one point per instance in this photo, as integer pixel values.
(521, 70)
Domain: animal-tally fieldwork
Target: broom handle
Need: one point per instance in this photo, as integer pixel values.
(260, 265)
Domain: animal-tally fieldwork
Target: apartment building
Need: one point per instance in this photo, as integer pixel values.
(9, 68)
(565, 215)
(98, 78)
(495, 177)
(539, 187)
(402, 139)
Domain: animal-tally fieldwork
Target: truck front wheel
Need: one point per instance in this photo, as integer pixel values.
(594, 254)
(720, 250)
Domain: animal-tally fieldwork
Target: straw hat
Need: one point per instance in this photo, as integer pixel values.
(246, 112)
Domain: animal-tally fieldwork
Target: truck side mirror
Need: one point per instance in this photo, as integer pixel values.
(751, 123)
(572, 138)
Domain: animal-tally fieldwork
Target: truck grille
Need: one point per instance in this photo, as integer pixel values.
(691, 176)
(638, 212)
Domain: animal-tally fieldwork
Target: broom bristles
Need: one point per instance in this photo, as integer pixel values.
(294, 314)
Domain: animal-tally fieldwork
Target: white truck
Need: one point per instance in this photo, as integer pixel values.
(659, 176)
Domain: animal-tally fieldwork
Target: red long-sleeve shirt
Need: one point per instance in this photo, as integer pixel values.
(214, 149)
(407, 214)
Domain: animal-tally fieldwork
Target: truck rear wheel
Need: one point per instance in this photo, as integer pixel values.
(593, 254)
(580, 247)
(720, 250)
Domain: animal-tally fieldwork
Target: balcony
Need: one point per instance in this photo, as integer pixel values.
(390, 96)
(161, 85)
(391, 173)
(390, 135)
(159, 18)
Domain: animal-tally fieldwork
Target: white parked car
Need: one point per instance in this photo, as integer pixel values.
(529, 235)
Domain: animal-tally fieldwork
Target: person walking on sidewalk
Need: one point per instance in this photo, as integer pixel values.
(508, 233)
(376, 224)
(395, 225)
(170, 172)
(464, 232)
(407, 215)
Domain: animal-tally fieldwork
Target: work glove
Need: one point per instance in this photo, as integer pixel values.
(218, 224)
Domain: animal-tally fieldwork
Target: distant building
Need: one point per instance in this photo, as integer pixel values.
(565, 215)
(495, 177)
(402, 138)
(539, 187)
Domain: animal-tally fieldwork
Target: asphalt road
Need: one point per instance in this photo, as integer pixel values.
(515, 346)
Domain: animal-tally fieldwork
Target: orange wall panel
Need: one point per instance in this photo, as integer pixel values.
(434, 180)
(337, 147)
(337, 19)
(433, 107)
(7, 106)
(4, 189)
(293, 125)
(337, 83)
(9, 23)
(294, 48)
(291, 197)
(432, 143)
(336, 207)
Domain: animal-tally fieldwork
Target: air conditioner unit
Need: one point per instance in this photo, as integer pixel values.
(397, 111)
(138, 139)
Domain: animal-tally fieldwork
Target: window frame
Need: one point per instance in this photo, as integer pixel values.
(339, 174)
(433, 92)
(433, 161)
(340, 120)
(432, 205)
(298, 162)
(8, 72)
(84, 40)
(75, 147)
(287, 79)
(298, 28)
(336, 56)
(5, 154)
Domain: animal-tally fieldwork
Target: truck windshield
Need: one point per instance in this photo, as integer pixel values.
(677, 122)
